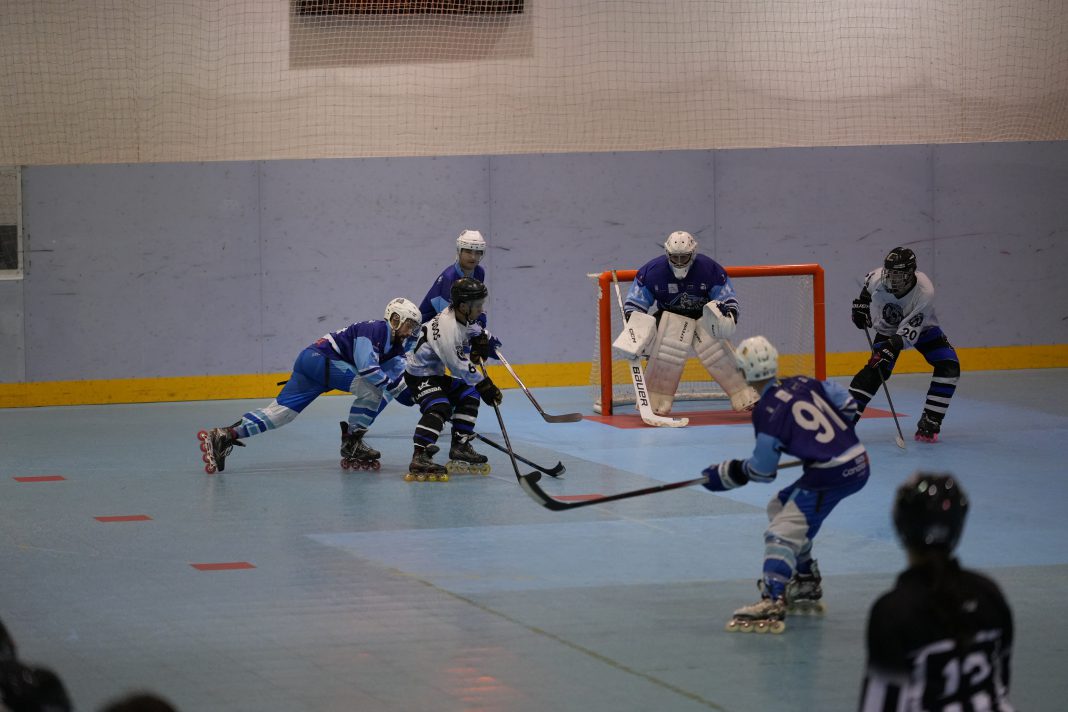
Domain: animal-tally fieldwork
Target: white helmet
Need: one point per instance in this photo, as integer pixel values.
(680, 248)
(757, 359)
(470, 240)
(405, 309)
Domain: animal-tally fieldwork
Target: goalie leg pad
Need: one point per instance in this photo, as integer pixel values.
(718, 359)
(637, 333)
(667, 359)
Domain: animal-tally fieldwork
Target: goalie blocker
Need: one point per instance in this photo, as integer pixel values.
(675, 336)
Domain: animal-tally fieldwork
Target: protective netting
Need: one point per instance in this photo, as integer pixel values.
(190, 80)
(783, 303)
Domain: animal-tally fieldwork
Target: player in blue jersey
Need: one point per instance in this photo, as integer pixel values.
(365, 359)
(813, 421)
(942, 638)
(442, 378)
(695, 306)
(470, 248)
(898, 302)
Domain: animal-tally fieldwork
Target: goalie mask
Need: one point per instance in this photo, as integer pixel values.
(929, 511)
(757, 359)
(899, 270)
(408, 316)
(681, 249)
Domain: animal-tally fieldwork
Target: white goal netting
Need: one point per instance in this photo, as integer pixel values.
(199, 80)
(785, 303)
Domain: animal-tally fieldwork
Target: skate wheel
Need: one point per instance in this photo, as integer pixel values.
(345, 464)
(484, 468)
(420, 478)
(206, 458)
(774, 627)
(409, 477)
(210, 469)
(431, 478)
(204, 447)
(203, 436)
(375, 465)
(443, 477)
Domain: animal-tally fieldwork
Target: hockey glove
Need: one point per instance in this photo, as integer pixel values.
(483, 347)
(490, 393)
(861, 313)
(726, 475)
(885, 352)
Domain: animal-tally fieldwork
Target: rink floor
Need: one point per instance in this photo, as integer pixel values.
(285, 583)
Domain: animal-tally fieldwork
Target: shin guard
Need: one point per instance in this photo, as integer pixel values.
(667, 359)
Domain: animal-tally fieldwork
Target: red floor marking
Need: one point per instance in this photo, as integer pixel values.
(41, 478)
(125, 518)
(579, 497)
(225, 566)
(703, 417)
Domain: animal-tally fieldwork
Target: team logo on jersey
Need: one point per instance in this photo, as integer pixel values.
(690, 302)
(892, 314)
(673, 288)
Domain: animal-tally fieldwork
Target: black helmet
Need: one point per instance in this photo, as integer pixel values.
(901, 259)
(467, 289)
(929, 511)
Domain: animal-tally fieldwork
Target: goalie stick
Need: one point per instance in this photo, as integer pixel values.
(504, 433)
(556, 471)
(529, 483)
(565, 418)
(637, 378)
(900, 440)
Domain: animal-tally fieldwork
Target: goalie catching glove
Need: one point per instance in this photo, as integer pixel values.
(489, 392)
(719, 319)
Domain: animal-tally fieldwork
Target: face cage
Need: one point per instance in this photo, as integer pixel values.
(681, 261)
(897, 279)
(476, 252)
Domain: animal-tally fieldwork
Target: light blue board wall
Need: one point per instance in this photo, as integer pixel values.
(169, 270)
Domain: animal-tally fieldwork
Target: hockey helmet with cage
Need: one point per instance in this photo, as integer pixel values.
(467, 289)
(757, 359)
(680, 248)
(470, 240)
(899, 270)
(929, 511)
(406, 311)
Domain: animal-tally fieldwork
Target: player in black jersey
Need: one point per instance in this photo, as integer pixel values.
(942, 638)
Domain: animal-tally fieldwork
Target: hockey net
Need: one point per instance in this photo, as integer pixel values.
(782, 302)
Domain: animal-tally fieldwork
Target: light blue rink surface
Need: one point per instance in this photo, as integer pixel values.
(375, 594)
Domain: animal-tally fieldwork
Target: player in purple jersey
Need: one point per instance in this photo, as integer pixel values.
(694, 306)
(942, 638)
(365, 359)
(470, 249)
(898, 302)
(813, 421)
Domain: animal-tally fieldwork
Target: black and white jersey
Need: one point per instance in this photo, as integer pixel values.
(915, 660)
(909, 315)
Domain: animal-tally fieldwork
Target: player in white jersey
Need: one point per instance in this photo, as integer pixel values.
(442, 349)
(942, 638)
(695, 307)
(898, 302)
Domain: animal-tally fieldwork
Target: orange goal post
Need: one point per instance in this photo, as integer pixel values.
(785, 303)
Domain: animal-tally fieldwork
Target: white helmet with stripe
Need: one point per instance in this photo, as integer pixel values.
(405, 311)
(470, 240)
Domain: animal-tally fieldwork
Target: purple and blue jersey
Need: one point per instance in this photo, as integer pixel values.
(656, 284)
(440, 294)
(368, 346)
(813, 421)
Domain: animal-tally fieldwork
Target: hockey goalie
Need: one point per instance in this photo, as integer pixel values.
(680, 301)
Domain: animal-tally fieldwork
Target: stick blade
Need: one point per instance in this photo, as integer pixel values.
(900, 442)
(565, 418)
(658, 421)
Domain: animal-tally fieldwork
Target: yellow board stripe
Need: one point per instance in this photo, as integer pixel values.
(538, 375)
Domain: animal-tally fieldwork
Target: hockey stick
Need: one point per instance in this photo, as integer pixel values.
(550, 471)
(507, 442)
(565, 418)
(900, 441)
(637, 378)
(529, 483)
